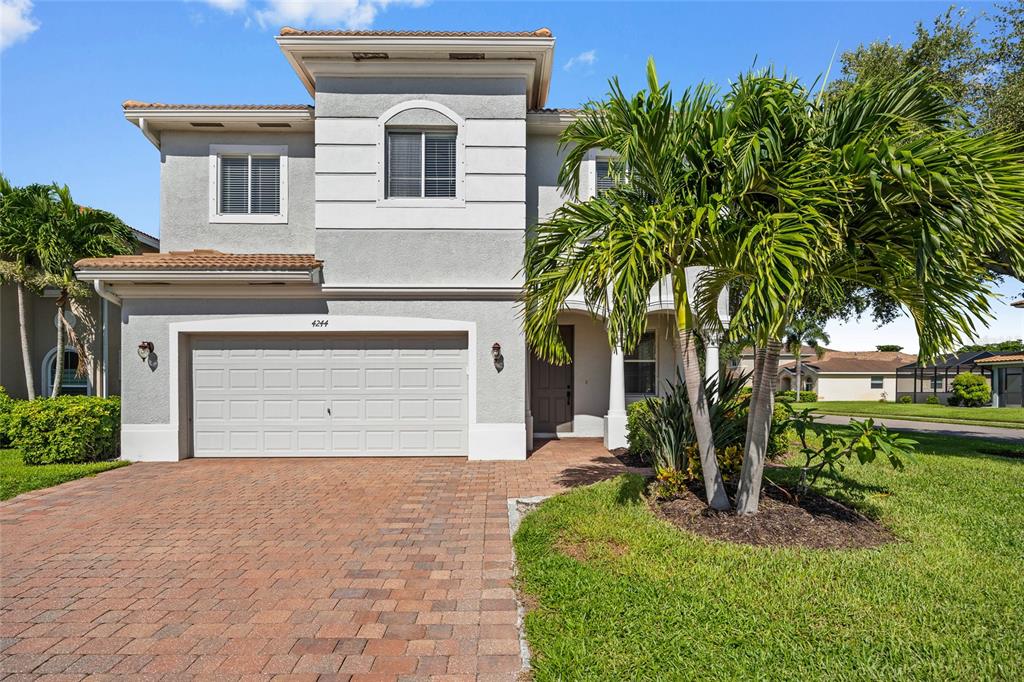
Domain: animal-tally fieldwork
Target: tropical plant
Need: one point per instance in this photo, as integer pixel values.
(888, 348)
(614, 247)
(804, 331)
(20, 217)
(68, 233)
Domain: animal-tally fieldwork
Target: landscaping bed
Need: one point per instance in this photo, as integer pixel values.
(616, 592)
(784, 520)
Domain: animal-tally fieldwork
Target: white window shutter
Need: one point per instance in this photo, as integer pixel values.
(234, 184)
(266, 185)
(439, 162)
(404, 171)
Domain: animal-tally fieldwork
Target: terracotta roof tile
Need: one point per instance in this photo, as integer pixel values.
(134, 104)
(203, 259)
(1006, 357)
(553, 110)
(539, 33)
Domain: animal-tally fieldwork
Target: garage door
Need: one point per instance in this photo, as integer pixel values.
(353, 395)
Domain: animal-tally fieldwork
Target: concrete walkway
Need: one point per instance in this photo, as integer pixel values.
(962, 430)
(292, 569)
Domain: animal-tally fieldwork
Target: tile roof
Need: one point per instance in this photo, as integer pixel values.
(539, 33)
(134, 104)
(1006, 357)
(856, 361)
(203, 259)
(553, 110)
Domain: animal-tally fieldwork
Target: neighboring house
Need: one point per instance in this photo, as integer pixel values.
(840, 375)
(1007, 377)
(935, 379)
(343, 278)
(744, 364)
(103, 378)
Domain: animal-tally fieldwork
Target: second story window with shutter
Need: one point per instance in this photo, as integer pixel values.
(248, 184)
(421, 164)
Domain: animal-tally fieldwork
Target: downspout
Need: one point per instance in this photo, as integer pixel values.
(108, 297)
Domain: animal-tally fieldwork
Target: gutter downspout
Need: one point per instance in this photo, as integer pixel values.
(108, 298)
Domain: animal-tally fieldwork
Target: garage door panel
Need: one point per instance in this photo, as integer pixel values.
(334, 395)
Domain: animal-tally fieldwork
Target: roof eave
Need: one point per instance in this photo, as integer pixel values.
(152, 121)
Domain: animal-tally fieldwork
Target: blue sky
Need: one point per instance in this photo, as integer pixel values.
(67, 66)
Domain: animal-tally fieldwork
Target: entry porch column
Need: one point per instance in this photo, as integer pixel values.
(615, 420)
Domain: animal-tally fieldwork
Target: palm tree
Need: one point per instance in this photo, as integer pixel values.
(67, 234)
(613, 248)
(804, 331)
(872, 187)
(21, 209)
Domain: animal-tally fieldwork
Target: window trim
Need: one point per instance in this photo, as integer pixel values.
(653, 361)
(219, 150)
(881, 377)
(50, 360)
(422, 132)
(459, 200)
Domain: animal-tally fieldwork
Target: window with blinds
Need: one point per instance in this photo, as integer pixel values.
(604, 178)
(250, 185)
(420, 164)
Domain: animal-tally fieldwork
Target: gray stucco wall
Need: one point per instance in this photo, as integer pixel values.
(543, 161)
(146, 391)
(185, 191)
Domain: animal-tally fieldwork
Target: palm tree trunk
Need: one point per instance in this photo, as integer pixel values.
(798, 382)
(26, 355)
(759, 426)
(713, 485)
(58, 369)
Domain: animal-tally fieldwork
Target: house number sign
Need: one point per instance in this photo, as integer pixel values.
(319, 323)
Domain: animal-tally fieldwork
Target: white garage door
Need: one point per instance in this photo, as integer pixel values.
(353, 395)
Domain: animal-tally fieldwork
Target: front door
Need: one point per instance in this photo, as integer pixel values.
(551, 391)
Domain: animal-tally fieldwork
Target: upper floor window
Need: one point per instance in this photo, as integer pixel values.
(604, 178)
(639, 366)
(248, 184)
(421, 164)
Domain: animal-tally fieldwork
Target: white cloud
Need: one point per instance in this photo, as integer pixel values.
(582, 59)
(350, 14)
(16, 22)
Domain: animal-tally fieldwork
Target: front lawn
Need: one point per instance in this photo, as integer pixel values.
(645, 600)
(17, 478)
(1012, 417)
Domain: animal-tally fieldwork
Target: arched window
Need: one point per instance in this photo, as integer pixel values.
(422, 145)
(71, 384)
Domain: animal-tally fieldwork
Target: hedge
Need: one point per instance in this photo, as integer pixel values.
(69, 429)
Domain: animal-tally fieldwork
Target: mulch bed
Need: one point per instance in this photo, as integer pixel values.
(816, 522)
(630, 459)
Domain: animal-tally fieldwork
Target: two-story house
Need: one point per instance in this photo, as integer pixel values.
(342, 278)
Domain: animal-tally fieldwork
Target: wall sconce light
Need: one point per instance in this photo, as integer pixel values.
(499, 361)
(145, 348)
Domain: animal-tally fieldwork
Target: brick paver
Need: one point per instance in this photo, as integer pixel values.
(380, 569)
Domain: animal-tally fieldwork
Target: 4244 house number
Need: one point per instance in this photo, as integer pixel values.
(319, 323)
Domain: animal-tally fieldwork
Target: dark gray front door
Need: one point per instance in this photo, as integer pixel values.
(551, 391)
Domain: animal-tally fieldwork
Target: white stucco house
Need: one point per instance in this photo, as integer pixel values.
(341, 277)
(843, 375)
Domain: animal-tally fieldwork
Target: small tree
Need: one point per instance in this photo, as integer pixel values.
(800, 332)
(888, 348)
(971, 390)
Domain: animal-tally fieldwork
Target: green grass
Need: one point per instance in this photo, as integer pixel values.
(17, 478)
(1011, 417)
(650, 601)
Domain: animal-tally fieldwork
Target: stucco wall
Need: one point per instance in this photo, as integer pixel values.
(185, 193)
(855, 387)
(474, 240)
(500, 396)
(543, 161)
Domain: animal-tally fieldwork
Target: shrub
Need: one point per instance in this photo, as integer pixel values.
(932, 400)
(782, 433)
(67, 429)
(907, 399)
(808, 396)
(785, 396)
(638, 428)
(6, 405)
(971, 390)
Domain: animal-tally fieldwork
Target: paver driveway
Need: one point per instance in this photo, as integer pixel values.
(350, 568)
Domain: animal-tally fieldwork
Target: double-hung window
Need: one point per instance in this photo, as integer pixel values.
(248, 184)
(421, 164)
(877, 382)
(639, 367)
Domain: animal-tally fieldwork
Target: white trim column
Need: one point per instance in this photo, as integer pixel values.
(615, 420)
(996, 386)
(712, 342)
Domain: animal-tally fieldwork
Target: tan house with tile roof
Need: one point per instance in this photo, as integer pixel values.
(842, 375)
(341, 277)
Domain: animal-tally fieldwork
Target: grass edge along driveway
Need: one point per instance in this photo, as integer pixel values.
(16, 477)
(652, 602)
(1005, 417)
